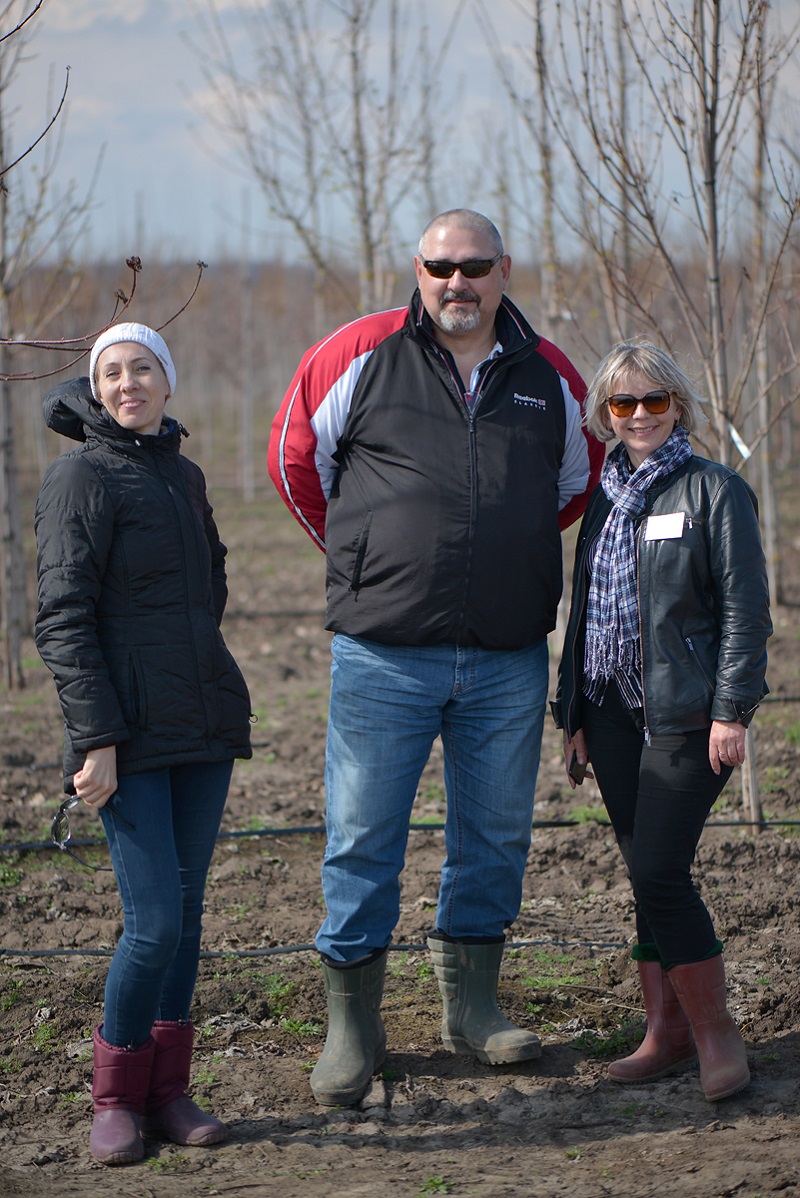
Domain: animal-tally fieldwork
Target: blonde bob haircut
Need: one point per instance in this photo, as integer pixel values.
(659, 366)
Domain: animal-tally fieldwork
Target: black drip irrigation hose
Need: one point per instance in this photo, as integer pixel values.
(319, 829)
(285, 950)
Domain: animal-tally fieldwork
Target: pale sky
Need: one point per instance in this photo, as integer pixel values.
(135, 87)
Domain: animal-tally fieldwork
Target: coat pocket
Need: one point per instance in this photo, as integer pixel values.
(137, 690)
(361, 550)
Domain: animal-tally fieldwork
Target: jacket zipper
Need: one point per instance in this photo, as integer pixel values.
(693, 653)
(641, 637)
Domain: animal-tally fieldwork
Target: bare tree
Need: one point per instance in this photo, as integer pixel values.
(652, 104)
(332, 114)
(32, 224)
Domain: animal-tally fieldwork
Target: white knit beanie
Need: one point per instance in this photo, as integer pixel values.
(133, 332)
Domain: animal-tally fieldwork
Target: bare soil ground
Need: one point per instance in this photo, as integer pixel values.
(433, 1123)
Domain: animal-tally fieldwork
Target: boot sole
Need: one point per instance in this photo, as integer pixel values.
(350, 1096)
(120, 1158)
(161, 1133)
(674, 1068)
(729, 1093)
(462, 1048)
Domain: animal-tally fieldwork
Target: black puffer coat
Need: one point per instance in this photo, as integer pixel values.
(131, 593)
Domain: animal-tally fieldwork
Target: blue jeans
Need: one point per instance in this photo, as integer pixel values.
(388, 704)
(161, 863)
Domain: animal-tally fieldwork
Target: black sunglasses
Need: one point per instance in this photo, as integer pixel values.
(656, 403)
(61, 835)
(471, 268)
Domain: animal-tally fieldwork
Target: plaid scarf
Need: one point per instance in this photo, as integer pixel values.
(612, 615)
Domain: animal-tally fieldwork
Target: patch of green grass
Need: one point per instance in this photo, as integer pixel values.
(10, 875)
(396, 964)
(590, 815)
(300, 1029)
(237, 910)
(793, 734)
(550, 970)
(610, 1044)
(11, 994)
(170, 1164)
(277, 991)
(435, 1185)
(572, 1154)
(205, 1075)
(773, 778)
(45, 1036)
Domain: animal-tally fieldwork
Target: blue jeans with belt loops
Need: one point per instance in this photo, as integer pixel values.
(161, 863)
(388, 705)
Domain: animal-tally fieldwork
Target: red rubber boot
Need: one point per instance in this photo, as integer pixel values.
(669, 1043)
(702, 993)
(120, 1084)
(170, 1113)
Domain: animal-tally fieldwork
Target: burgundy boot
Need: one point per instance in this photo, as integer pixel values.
(170, 1113)
(702, 993)
(120, 1084)
(668, 1043)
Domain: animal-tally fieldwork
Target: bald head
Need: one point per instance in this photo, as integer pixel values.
(462, 218)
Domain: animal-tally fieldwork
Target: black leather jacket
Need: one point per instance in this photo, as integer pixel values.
(703, 605)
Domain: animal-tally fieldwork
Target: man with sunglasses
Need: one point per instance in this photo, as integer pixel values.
(433, 452)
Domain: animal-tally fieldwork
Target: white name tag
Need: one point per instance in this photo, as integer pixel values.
(664, 528)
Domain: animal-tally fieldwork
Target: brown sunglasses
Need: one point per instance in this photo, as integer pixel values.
(656, 402)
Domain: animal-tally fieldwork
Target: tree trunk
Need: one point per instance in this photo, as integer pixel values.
(709, 87)
(13, 562)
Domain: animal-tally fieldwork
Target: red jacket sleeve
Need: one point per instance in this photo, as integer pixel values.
(314, 411)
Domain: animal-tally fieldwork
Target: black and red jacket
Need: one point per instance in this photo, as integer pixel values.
(440, 520)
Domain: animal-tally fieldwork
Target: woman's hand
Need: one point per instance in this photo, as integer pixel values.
(726, 745)
(96, 782)
(576, 746)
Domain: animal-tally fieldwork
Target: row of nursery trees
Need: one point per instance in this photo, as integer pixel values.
(647, 181)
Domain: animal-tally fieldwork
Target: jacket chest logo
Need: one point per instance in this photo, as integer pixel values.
(528, 401)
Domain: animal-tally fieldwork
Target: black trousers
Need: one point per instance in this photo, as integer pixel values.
(658, 796)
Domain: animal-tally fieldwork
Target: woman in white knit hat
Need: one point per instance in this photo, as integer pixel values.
(132, 589)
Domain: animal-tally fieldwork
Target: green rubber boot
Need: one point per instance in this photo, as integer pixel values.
(356, 1042)
(472, 1023)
